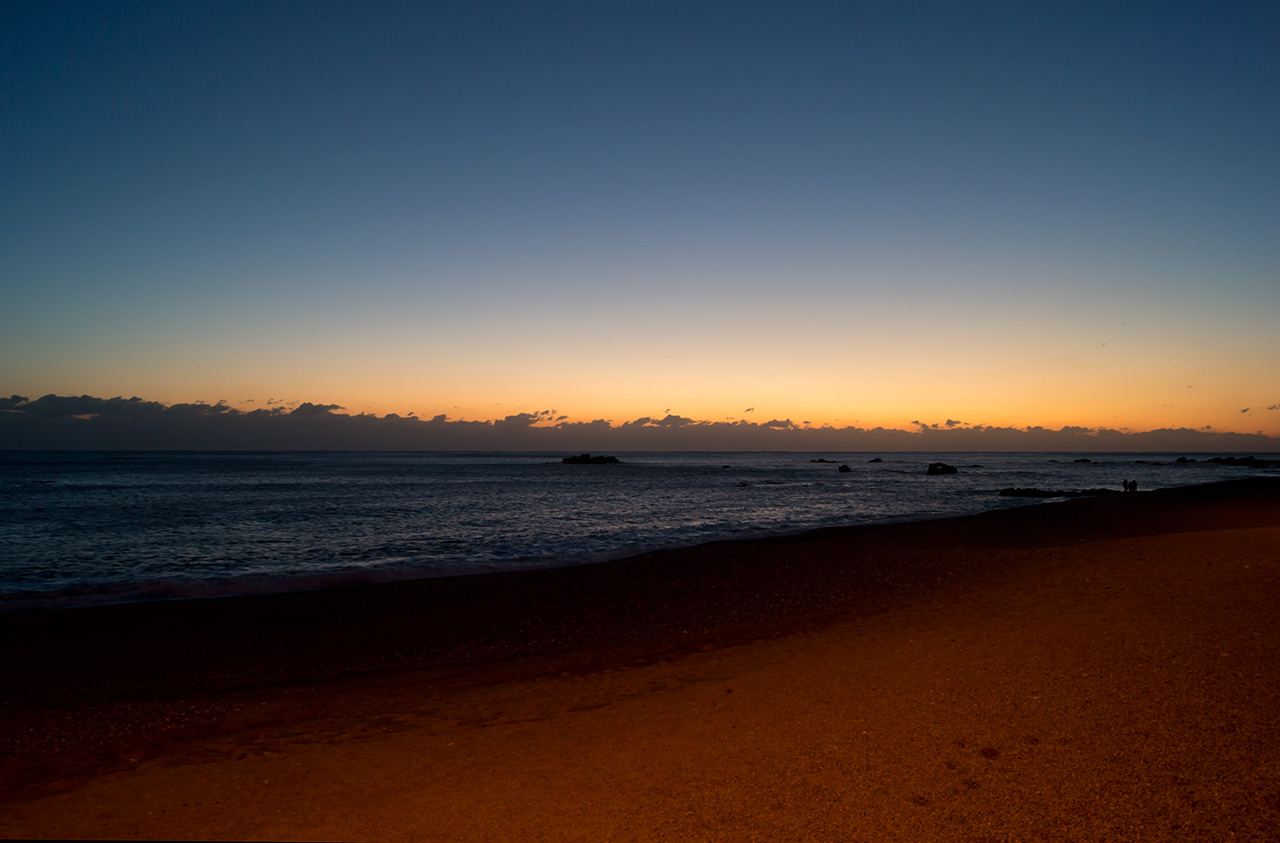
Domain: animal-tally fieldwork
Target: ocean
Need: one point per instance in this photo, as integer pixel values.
(101, 527)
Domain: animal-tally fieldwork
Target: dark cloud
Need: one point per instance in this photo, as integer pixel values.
(673, 421)
(307, 410)
(529, 419)
(519, 420)
(60, 406)
(668, 421)
(749, 410)
(597, 424)
(86, 422)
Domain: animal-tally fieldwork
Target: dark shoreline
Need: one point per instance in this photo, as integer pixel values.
(640, 606)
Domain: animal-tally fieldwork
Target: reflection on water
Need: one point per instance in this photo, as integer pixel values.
(95, 526)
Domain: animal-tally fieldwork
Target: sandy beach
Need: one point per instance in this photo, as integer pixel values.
(1096, 669)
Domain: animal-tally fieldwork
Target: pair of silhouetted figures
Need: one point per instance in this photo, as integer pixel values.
(1130, 485)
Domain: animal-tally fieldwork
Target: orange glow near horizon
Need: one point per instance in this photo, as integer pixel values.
(1052, 365)
(1116, 409)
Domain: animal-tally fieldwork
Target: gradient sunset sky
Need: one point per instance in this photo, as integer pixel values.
(835, 213)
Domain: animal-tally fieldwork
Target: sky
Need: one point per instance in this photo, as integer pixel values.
(895, 215)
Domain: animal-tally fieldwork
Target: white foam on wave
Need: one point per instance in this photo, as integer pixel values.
(351, 519)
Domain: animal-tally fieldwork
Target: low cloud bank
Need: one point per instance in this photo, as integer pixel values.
(86, 423)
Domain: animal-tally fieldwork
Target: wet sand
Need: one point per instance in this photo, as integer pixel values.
(1098, 669)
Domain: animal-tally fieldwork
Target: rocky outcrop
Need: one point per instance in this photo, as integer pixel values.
(587, 459)
(942, 468)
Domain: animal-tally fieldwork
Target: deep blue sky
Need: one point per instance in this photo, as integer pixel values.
(839, 213)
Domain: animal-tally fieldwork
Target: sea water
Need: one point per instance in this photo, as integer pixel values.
(92, 527)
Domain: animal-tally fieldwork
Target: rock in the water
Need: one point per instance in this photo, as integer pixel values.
(942, 468)
(587, 459)
(844, 469)
(877, 459)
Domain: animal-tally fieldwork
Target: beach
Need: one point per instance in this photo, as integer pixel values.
(1095, 669)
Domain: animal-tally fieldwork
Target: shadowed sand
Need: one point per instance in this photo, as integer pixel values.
(1090, 670)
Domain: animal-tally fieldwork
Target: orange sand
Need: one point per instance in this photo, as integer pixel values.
(1095, 670)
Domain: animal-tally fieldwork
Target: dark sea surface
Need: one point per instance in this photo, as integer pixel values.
(95, 527)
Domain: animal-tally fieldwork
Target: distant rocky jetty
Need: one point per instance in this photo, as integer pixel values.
(587, 459)
(1247, 462)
